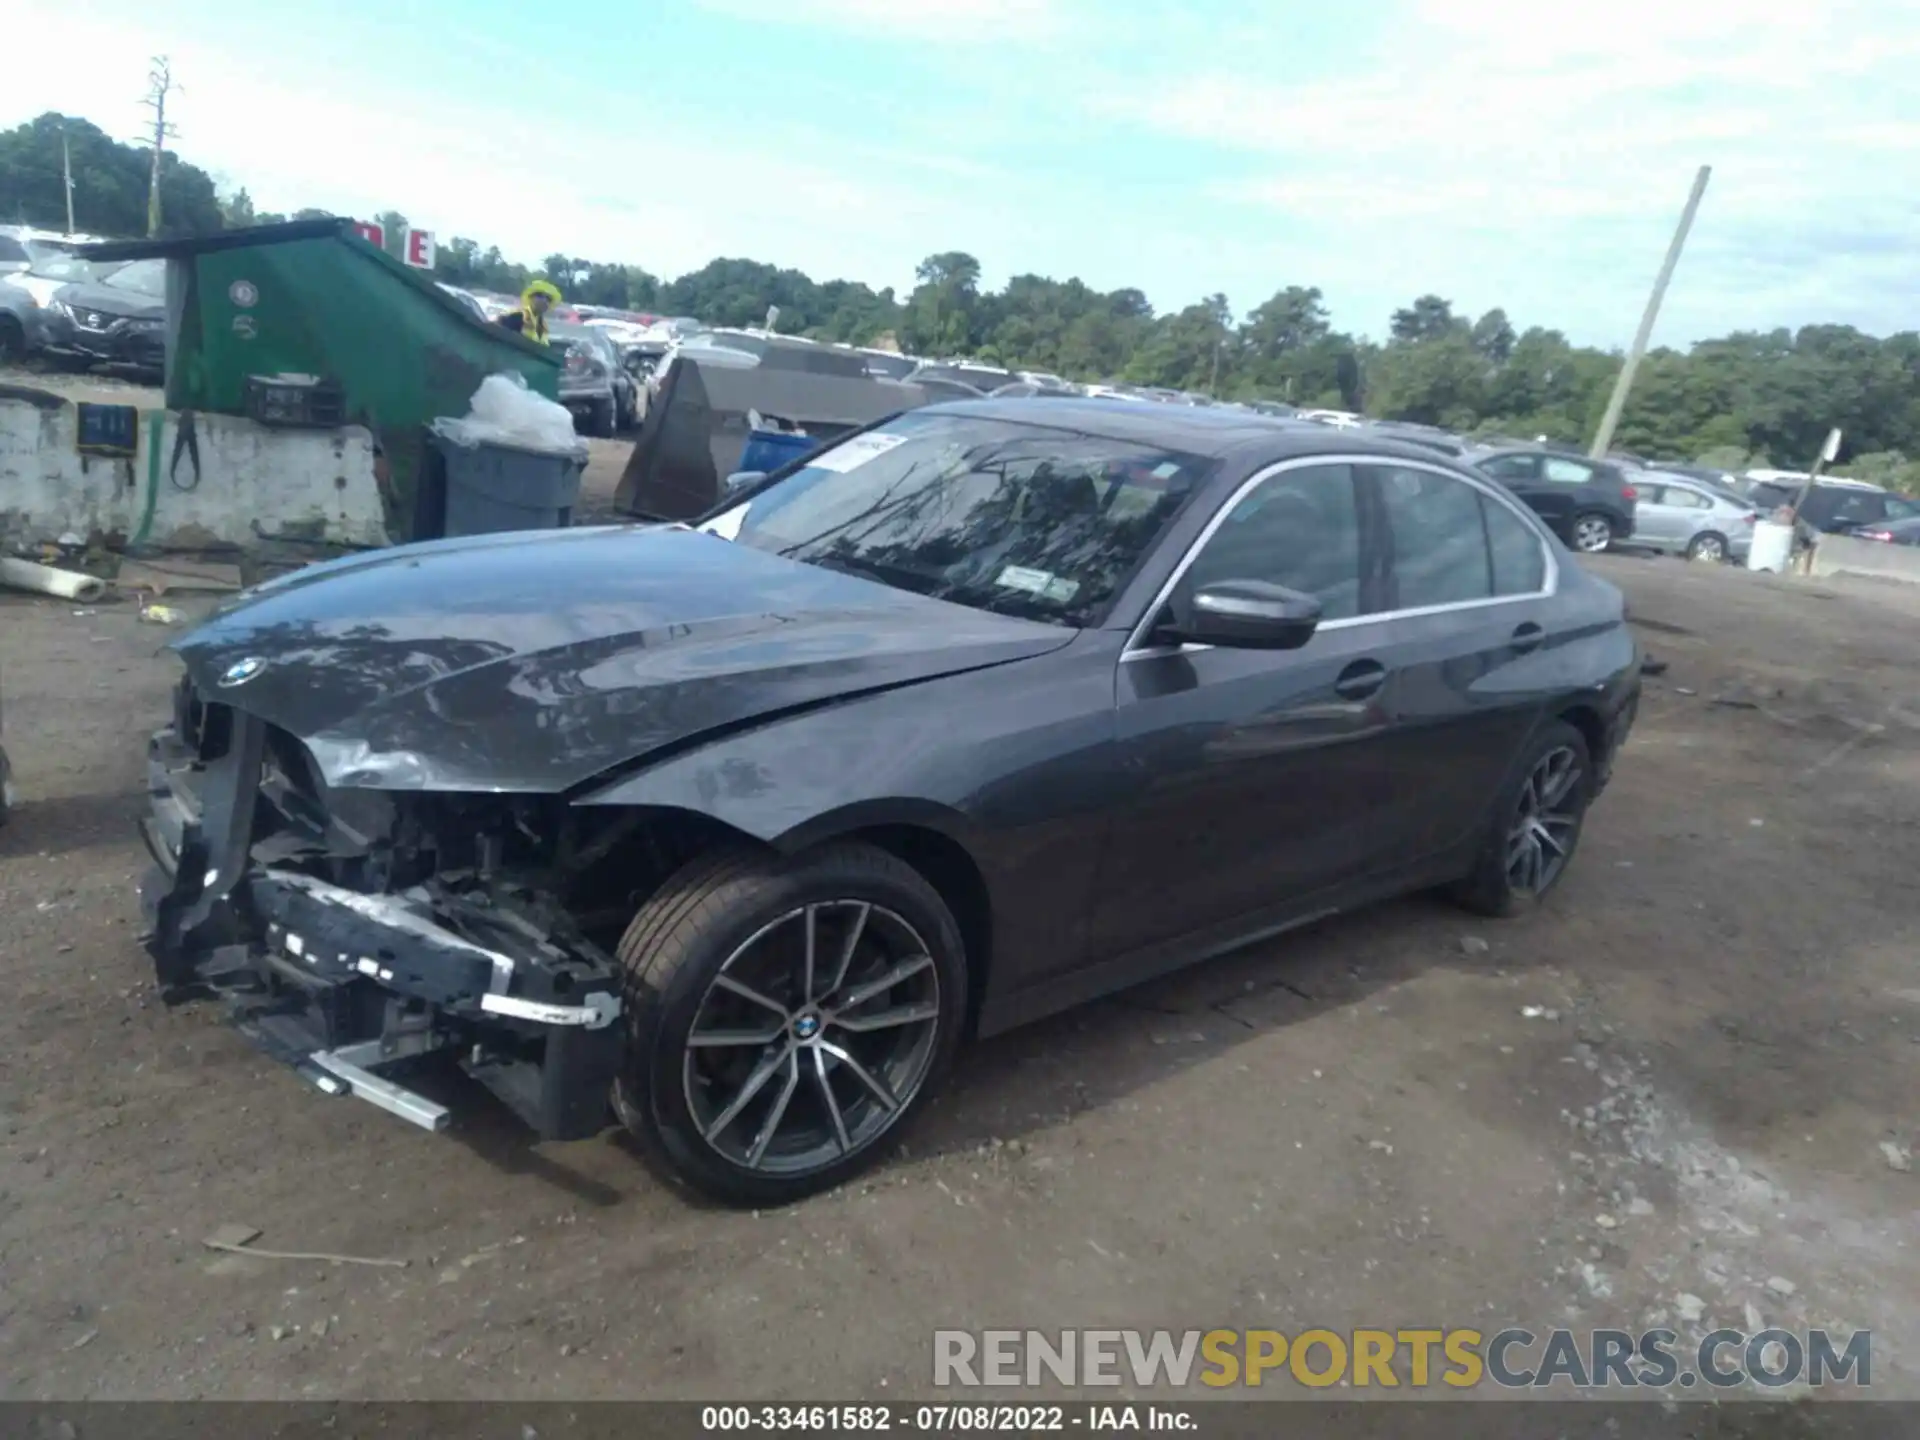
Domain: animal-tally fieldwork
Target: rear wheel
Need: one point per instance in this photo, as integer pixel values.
(1592, 532)
(787, 1017)
(601, 420)
(13, 340)
(1708, 546)
(1536, 826)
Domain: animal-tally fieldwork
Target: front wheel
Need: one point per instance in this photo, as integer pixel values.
(1592, 533)
(1536, 826)
(787, 1017)
(1709, 547)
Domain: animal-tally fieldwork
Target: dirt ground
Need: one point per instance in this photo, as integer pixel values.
(1681, 1093)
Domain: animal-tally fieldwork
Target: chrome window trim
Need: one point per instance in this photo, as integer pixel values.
(1135, 650)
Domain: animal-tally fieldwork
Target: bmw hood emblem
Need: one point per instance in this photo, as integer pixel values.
(242, 671)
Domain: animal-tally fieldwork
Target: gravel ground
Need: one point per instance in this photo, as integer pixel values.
(1680, 1093)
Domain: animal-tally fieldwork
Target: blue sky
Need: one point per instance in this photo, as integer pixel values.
(1497, 152)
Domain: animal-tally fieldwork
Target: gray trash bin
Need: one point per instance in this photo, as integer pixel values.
(491, 488)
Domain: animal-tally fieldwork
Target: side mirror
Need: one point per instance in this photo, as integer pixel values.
(1246, 615)
(740, 480)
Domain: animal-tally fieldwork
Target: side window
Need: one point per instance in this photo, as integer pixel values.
(1859, 508)
(12, 251)
(1680, 498)
(1300, 529)
(1438, 541)
(1510, 467)
(1898, 509)
(1519, 559)
(1566, 472)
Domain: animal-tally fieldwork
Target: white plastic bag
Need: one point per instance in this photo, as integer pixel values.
(504, 411)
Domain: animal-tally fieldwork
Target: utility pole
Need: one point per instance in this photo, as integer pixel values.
(66, 175)
(159, 86)
(1603, 438)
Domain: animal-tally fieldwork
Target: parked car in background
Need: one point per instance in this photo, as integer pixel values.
(1339, 419)
(1679, 515)
(594, 385)
(21, 247)
(1588, 503)
(1722, 479)
(1836, 506)
(117, 317)
(1891, 532)
(30, 292)
(978, 378)
(976, 715)
(19, 323)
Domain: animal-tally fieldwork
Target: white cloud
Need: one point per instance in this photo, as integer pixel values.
(657, 192)
(1488, 143)
(956, 22)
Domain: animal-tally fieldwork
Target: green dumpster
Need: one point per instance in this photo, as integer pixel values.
(313, 301)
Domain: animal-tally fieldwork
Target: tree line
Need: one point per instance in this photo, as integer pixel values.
(1748, 398)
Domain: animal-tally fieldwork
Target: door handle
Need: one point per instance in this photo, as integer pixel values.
(1361, 680)
(1527, 637)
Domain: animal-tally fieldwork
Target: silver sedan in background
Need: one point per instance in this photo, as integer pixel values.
(1683, 516)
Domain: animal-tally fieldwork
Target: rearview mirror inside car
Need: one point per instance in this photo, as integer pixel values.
(1246, 614)
(740, 480)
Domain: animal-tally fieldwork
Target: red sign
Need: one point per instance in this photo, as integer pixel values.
(371, 233)
(419, 249)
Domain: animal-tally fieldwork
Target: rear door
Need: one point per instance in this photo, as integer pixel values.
(1467, 582)
(1656, 521)
(1570, 486)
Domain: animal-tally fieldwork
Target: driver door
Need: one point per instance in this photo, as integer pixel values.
(1253, 779)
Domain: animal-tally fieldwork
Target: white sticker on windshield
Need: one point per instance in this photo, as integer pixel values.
(1018, 577)
(1166, 469)
(726, 524)
(852, 454)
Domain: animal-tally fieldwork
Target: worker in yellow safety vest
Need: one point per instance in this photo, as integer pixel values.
(530, 320)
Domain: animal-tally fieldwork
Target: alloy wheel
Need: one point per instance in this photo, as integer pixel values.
(1709, 547)
(1592, 534)
(1546, 818)
(813, 1038)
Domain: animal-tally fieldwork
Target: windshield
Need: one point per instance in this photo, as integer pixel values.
(60, 266)
(1020, 518)
(142, 277)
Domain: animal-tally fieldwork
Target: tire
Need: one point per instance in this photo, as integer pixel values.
(1493, 887)
(601, 422)
(1710, 545)
(13, 341)
(1590, 533)
(746, 913)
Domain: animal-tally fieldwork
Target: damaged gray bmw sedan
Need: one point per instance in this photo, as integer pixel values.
(737, 831)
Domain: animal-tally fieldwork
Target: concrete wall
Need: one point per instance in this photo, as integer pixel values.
(1844, 555)
(254, 483)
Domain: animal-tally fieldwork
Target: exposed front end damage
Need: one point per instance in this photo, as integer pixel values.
(352, 930)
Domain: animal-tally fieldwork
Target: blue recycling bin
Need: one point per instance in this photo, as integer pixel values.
(768, 450)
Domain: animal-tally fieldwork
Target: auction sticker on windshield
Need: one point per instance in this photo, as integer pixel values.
(1038, 582)
(852, 454)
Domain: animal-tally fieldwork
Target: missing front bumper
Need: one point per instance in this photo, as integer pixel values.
(342, 984)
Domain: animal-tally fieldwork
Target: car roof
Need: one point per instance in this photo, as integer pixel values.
(1241, 437)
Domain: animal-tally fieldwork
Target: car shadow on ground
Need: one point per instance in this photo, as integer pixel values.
(1096, 1055)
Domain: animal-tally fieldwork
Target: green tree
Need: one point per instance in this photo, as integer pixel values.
(109, 182)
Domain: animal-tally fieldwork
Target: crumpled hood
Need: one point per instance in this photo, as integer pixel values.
(534, 663)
